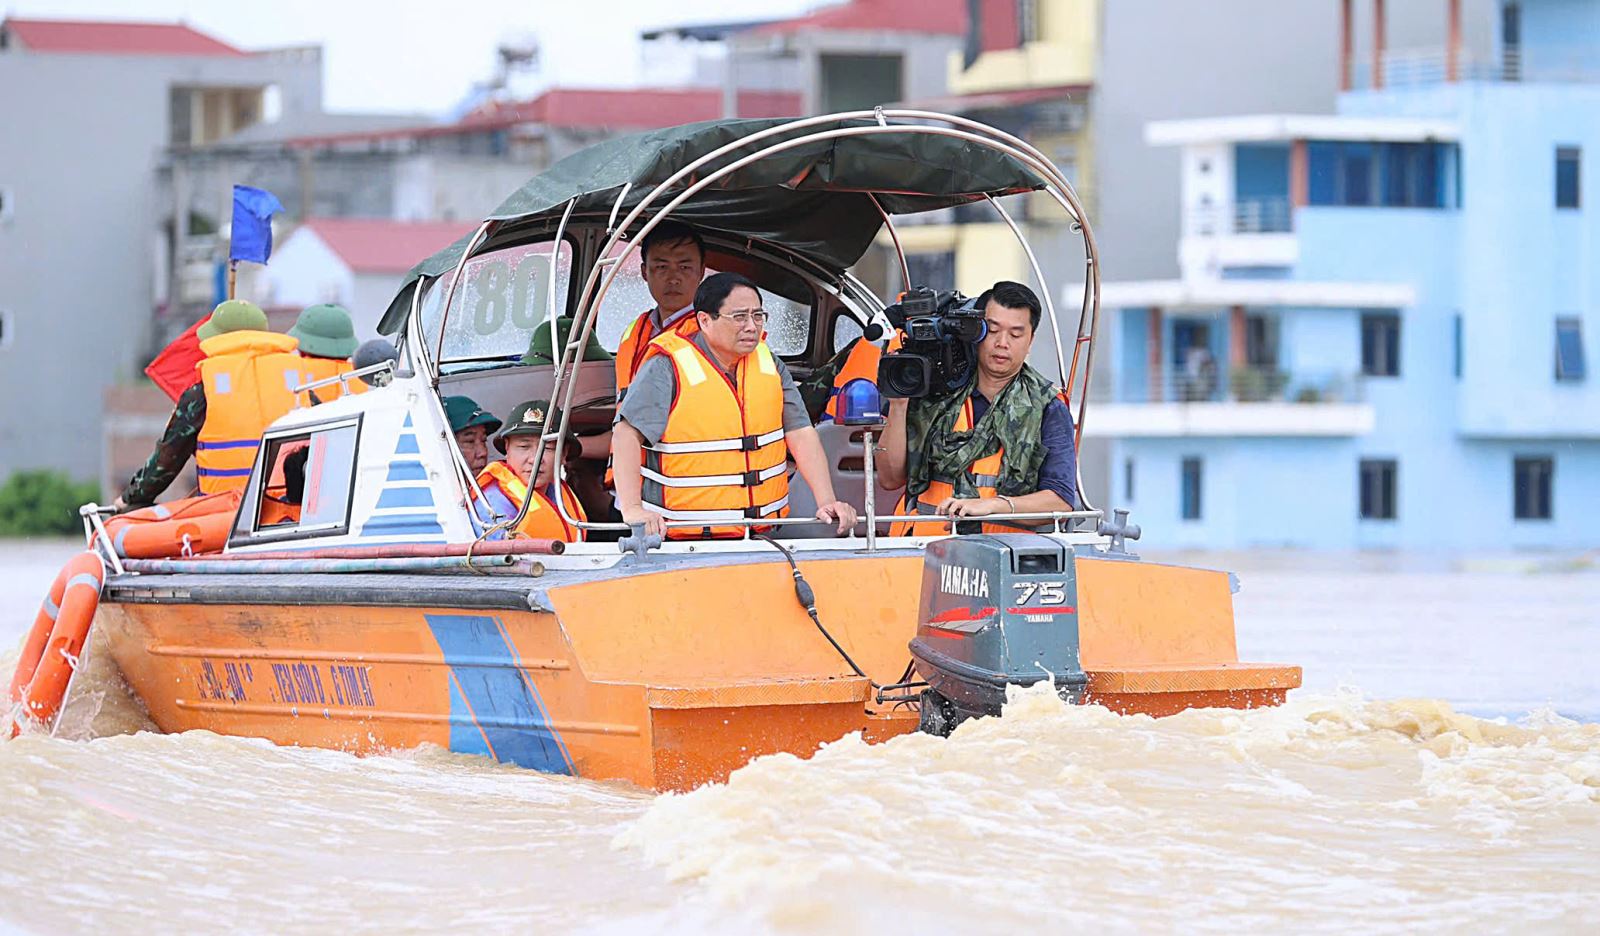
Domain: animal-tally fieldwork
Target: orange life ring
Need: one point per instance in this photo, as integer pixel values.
(50, 655)
(185, 527)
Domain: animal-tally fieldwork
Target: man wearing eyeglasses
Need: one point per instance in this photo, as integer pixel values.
(709, 422)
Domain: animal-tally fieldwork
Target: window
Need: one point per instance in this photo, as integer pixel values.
(860, 82)
(845, 330)
(1380, 344)
(1261, 341)
(1392, 175)
(936, 270)
(1027, 21)
(1568, 193)
(1377, 493)
(1191, 488)
(505, 296)
(1511, 41)
(1357, 173)
(1127, 480)
(1456, 330)
(1530, 486)
(1569, 349)
(307, 489)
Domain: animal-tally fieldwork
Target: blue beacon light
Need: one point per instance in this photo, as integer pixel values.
(859, 404)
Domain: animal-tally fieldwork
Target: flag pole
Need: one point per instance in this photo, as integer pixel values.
(233, 277)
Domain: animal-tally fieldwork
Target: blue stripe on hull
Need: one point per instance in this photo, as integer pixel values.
(495, 709)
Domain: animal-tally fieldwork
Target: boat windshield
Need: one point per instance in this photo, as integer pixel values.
(504, 296)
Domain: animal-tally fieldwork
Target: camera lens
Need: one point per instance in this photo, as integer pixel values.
(904, 376)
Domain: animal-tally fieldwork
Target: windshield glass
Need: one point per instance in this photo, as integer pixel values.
(788, 321)
(504, 296)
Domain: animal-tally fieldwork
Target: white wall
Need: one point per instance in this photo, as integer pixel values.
(305, 271)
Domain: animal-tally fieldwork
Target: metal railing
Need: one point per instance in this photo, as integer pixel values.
(1247, 216)
(1200, 383)
(1430, 65)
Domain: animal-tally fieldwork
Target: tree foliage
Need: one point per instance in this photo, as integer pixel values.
(43, 503)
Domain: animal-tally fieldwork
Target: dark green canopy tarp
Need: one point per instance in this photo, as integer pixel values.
(810, 200)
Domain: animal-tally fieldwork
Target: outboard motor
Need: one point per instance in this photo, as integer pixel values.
(997, 611)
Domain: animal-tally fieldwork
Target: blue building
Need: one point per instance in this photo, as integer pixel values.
(1381, 333)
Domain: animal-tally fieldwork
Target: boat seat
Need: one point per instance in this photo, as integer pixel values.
(842, 445)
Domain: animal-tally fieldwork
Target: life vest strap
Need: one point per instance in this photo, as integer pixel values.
(227, 444)
(745, 479)
(740, 444)
(715, 516)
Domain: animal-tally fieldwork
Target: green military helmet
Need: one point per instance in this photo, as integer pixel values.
(464, 413)
(231, 316)
(526, 419)
(539, 345)
(325, 331)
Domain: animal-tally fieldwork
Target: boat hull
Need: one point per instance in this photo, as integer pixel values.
(668, 680)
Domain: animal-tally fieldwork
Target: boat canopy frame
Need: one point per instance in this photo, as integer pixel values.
(768, 140)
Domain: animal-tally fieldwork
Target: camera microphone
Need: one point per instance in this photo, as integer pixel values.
(873, 331)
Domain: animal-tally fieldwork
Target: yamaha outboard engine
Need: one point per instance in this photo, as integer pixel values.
(997, 611)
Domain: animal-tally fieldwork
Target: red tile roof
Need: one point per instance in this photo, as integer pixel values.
(369, 245)
(940, 17)
(111, 38)
(631, 108)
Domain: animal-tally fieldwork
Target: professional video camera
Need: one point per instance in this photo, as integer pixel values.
(940, 350)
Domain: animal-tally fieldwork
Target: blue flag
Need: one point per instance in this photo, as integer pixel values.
(253, 209)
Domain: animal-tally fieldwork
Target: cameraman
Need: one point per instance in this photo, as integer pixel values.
(1004, 445)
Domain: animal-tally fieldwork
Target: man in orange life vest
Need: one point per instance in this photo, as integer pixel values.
(505, 483)
(672, 262)
(712, 416)
(247, 380)
(1004, 445)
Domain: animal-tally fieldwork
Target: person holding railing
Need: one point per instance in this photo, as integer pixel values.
(706, 429)
(1003, 445)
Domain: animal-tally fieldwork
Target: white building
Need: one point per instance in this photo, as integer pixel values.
(355, 262)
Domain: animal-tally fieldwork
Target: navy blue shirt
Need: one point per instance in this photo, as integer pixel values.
(1059, 472)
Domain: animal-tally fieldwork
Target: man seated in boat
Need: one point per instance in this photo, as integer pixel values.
(247, 380)
(505, 483)
(706, 429)
(472, 425)
(1003, 445)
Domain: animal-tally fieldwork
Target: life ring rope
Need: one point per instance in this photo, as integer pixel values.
(53, 653)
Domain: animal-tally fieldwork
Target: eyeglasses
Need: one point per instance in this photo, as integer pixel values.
(742, 319)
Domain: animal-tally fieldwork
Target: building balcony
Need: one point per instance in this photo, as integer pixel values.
(1201, 400)
(1417, 67)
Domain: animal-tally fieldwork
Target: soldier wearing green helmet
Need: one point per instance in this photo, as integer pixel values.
(181, 437)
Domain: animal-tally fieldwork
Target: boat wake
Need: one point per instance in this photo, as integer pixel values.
(1329, 812)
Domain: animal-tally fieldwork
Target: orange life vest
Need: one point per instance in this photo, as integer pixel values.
(631, 353)
(722, 455)
(985, 473)
(542, 520)
(321, 368)
(635, 345)
(249, 379)
(862, 362)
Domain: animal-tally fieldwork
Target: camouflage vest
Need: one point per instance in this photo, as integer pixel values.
(1014, 421)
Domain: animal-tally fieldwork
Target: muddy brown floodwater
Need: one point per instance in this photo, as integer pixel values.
(1441, 770)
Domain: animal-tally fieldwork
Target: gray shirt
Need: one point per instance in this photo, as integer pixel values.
(655, 386)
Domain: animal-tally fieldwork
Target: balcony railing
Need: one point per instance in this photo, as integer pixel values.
(1247, 216)
(1425, 66)
(1202, 382)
